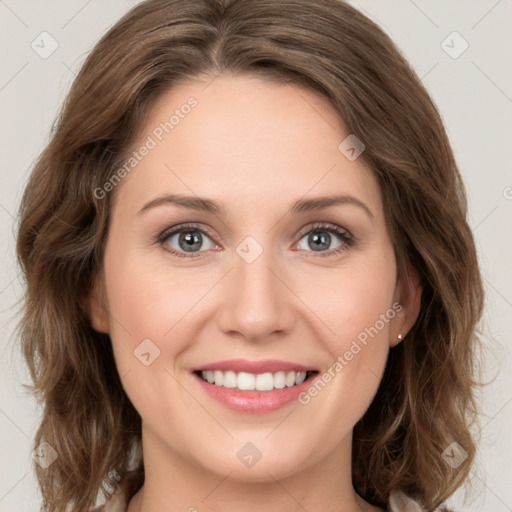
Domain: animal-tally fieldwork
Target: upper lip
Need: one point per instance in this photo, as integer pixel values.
(256, 367)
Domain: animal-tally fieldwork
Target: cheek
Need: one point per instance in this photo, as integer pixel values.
(352, 299)
(152, 323)
(145, 302)
(355, 308)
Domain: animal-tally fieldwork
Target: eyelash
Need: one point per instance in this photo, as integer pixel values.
(346, 237)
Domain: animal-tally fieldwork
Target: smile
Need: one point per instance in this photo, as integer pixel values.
(249, 381)
(254, 386)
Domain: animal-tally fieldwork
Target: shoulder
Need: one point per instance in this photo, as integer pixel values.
(399, 502)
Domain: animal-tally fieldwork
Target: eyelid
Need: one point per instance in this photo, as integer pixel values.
(343, 233)
(328, 226)
(182, 227)
(347, 238)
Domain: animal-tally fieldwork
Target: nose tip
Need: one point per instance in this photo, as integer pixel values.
(256, 302)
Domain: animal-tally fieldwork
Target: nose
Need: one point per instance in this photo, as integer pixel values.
(257, 302)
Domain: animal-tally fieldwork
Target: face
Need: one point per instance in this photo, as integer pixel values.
(243, 243)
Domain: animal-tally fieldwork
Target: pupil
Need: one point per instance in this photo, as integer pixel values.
(191, 239)
(319, 240)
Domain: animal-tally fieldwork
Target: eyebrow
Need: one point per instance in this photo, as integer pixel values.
(216, 208)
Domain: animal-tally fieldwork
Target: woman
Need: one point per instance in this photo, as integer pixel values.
(250, 279)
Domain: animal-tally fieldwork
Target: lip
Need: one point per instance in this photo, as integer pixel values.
(254, 402)
(256, 367)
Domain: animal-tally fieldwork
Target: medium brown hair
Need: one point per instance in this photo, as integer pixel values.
(426, 397)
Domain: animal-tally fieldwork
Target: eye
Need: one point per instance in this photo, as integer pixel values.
(327, 239)
(190, 240)
(186, 240)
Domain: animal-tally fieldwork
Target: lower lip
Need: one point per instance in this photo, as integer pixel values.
(254, 402)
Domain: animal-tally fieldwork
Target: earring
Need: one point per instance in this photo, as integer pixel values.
(399, 337)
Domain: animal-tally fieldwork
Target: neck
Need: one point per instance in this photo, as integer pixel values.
(173, 483)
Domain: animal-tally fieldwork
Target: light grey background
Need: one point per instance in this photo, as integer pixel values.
(473, 93)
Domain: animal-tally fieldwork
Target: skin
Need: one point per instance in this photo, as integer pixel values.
(256, 147)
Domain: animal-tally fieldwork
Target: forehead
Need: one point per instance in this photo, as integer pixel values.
(243, 140)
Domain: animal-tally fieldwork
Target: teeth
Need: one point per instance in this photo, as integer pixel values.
(290, 379)
(219, 378)
(229, 380)
(246, 381)
(279, 380)
(264, 382)
(301, 377)
(250, 382)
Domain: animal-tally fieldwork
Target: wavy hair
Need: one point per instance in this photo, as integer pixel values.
(426, 399)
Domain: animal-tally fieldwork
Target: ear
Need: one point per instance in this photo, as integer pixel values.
(408, 294)
(96, 311)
